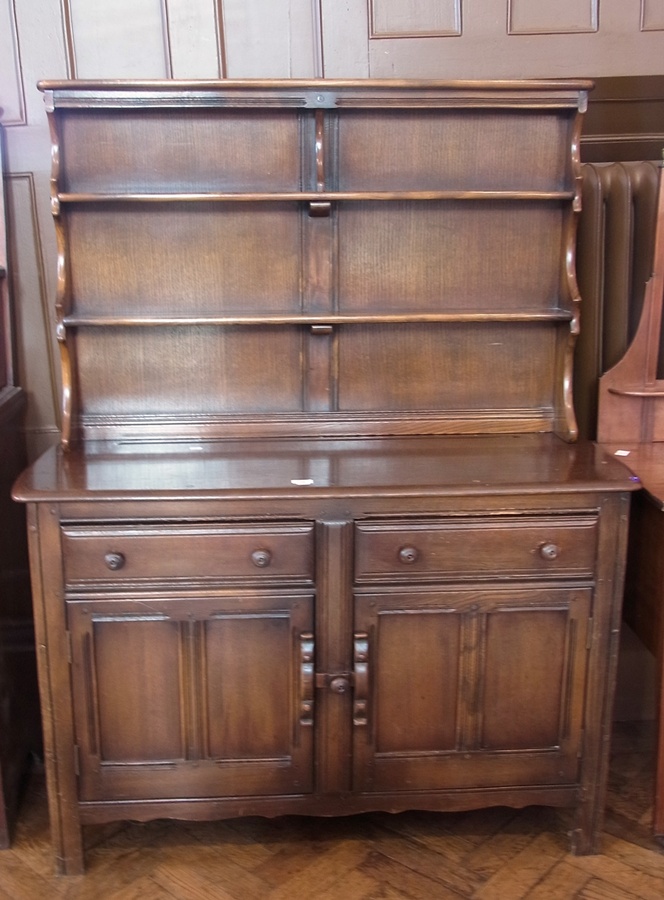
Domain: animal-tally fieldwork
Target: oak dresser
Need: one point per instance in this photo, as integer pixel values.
(319, 537)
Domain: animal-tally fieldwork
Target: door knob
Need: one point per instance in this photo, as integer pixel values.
(340, 685)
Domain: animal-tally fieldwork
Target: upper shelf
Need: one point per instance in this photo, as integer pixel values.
(271, 153)
(309, 196)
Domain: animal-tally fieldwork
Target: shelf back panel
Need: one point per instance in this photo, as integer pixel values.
(450, 256)
(184, 259)
(130, 150)
(453, 149)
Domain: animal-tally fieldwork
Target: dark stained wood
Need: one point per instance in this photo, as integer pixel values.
(631, 424)
(334, 621)
(190, 698)
(614, 262)
(318, 539)
(625, 119)
(19, 713)
(463, 247)
(644, 603)
(630, 393)
(540, 485)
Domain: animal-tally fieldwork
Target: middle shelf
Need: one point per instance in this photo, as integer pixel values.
(317, 321)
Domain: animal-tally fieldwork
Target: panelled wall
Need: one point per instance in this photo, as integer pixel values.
(266, 38)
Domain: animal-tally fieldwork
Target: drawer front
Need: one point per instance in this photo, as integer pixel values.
(475, 547)
(188, 551)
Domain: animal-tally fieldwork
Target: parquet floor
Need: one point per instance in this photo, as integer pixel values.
(496, 854)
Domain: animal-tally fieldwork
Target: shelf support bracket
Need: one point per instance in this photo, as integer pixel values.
(320, 209)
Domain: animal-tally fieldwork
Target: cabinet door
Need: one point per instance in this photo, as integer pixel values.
(193, 697)
(456, 689)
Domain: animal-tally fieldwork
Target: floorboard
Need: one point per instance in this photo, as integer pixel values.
(493, 854)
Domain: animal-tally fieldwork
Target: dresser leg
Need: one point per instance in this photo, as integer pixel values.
(66, 832)
(71, 864)
(586, 836)
(585, 841)
(53, 668)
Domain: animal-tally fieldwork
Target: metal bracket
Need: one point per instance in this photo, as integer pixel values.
(320, 100)
(339, 682)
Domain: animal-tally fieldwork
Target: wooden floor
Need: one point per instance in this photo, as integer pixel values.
(496, 854)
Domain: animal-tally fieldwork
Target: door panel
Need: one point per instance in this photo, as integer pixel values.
(526, 658)
(193, 696)
(137, 688)
(250, 692)
(472, 687)
(418, 703)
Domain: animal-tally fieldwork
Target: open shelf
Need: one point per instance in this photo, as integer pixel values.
(308, 196)
(557, 315)
(256, 258)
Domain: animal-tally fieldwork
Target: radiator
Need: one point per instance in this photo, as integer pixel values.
(614, 260)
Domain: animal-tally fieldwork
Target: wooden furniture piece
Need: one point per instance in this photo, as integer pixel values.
(631, 424)
(318, 539)
(613, 264)
(625, 119)
(18, 690)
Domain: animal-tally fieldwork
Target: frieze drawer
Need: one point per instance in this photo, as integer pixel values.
(473, 547)
(188, 551)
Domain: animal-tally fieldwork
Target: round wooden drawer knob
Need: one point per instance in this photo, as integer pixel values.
(261, 558)
(408, 555)
(549, 551)
(340, 685)
(115, 561)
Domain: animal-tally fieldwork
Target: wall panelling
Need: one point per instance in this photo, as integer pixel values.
(496, 38)
(554, 17)
(35, 319)
(430, 18)
(12, 97)
(277, 39)
(652, 15)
